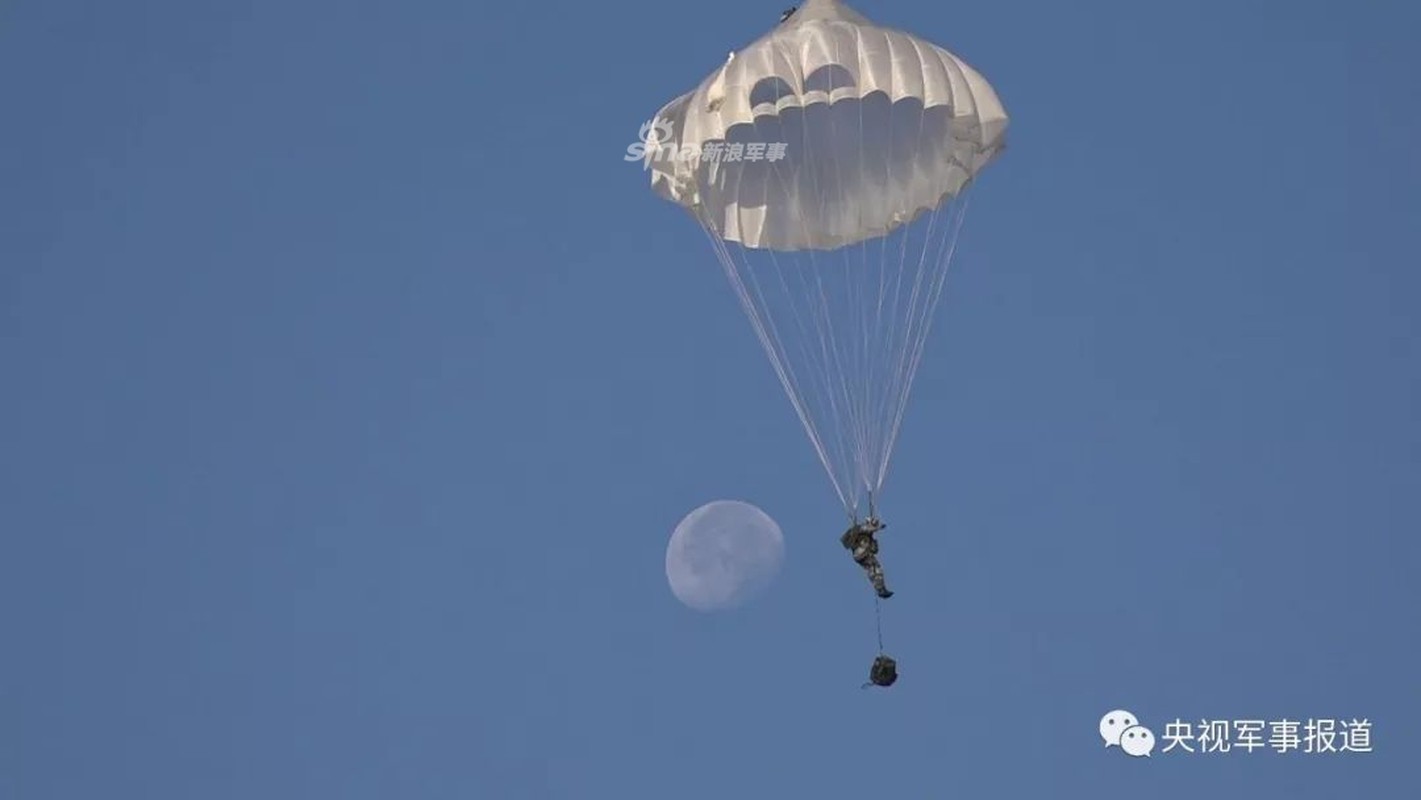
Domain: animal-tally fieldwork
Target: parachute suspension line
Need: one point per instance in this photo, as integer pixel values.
(865, 398)
(946, 252)
(747, 286)
(857, 360)
(831, 453)
(858, 373)
(822, 324)
(772, 341)
(839, 394)
(895, 388)
(864, 362)
(768, 335)
(882, 380)
(850, 368)
(851, 376)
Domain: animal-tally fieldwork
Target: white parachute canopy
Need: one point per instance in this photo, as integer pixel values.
(828, 163)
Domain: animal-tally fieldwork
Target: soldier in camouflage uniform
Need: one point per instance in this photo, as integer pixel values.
(859, 540)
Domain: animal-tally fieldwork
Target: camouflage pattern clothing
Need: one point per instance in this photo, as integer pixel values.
(859, 540)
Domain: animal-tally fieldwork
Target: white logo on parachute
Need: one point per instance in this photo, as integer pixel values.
(657, 144)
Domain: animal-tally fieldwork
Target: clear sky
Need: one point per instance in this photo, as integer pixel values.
(352, 385)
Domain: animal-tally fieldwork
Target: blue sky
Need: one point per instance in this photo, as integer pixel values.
(352, 385)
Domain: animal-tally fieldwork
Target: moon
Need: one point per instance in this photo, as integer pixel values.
(723, 554)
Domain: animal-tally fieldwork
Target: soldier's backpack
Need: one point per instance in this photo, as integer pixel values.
(883, 672)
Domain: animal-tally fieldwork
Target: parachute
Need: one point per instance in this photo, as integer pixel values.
(828, 163)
